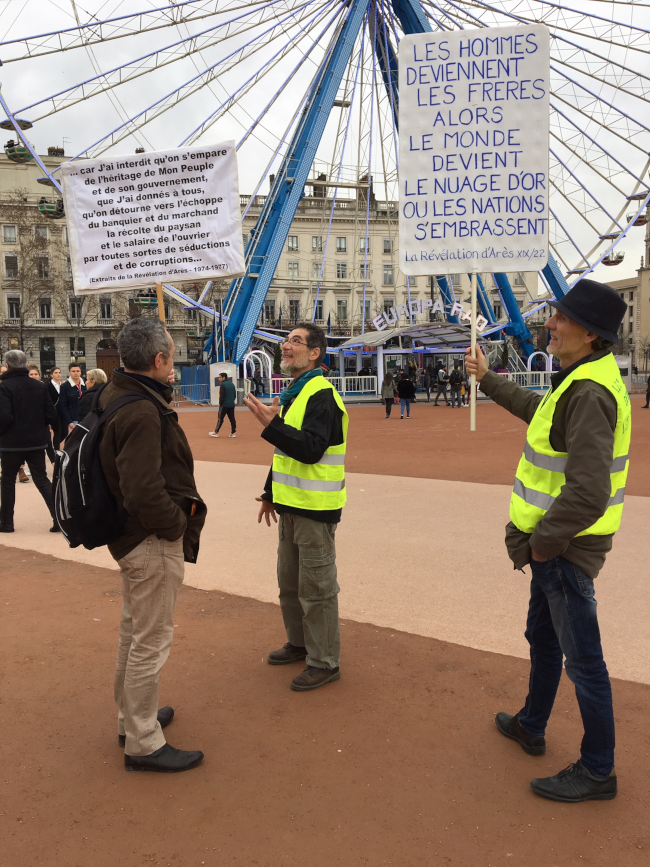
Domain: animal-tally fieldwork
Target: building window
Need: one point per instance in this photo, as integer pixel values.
(366, 309)
(244, 239)
(412, 282)
(13, 306)
(316, 244)
(519, 279)
(65, 235)
(45, 308)
(11, 267)
(388, 275)
(455, 279)
(318, 310)
(341, 308)
(388, 303)
(292, 243)
(497, 311)
(430, 283)
(68, 268)
(294, 309)
(341, 245)
(190, 314)
(269, 310)
(631, 297)
(105, 308)
(315, 270)
(363, 245)
(43, 267)
(9, 234)
(388, 245)
(341, 270)
(364, 271)
(76, 308)
(41, 232)
(77, 348)
(293, 270)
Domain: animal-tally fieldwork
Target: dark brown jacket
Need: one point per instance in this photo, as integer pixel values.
(583, 426)
(149, 469)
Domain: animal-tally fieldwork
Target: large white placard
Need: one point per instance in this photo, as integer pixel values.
(474, 145)
(153, 218)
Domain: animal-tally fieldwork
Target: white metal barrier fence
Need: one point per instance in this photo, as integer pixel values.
(343, 384)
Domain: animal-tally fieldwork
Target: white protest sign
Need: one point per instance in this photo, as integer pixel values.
(474, 145)
(150, 218)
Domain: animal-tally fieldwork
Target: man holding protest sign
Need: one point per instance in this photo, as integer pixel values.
(565, 507)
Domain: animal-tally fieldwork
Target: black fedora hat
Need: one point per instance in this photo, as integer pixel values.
(595, 306)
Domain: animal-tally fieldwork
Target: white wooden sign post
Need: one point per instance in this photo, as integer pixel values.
(474, 146)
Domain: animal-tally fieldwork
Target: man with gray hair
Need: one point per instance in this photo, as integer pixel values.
(149, 469)
(26, 413)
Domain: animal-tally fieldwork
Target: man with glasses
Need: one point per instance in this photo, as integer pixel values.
(308, 426)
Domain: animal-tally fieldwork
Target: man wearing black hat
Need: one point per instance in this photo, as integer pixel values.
(565, 507)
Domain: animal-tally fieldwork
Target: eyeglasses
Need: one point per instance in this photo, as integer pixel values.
(293, 341)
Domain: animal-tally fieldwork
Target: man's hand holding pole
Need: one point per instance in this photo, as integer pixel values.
(476, 364)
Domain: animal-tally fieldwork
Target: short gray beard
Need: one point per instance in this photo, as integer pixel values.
(289, 367)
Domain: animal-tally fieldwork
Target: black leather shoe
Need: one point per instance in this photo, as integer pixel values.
(166, 760)
(575, 784)
(165, 715)
(6, 528)
(288, 653)
(55, 528)
(510, 727)
(313, 677)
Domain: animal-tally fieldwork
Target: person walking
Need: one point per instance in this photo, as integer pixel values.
(26, 413)
(455, 382)
(388, 392)
(442, 385)
(149, 470)
(94, 377)
(308, 426)
(565, 508)
(406, 393)
(72, 390)
(647, 395)
(227, 396)
(426, 382)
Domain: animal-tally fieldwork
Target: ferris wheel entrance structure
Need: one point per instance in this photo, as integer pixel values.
(300, 77)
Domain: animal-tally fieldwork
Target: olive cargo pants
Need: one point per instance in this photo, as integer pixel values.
(308, 588)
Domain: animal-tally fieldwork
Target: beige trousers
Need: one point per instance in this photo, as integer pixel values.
(151, 576)
(308, 588)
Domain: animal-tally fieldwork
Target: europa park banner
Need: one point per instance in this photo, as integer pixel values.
(153, 218)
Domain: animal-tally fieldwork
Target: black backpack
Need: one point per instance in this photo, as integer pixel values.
(84, 507)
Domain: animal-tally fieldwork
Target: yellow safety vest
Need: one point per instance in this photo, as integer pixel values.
(318, 487)
(540, 474)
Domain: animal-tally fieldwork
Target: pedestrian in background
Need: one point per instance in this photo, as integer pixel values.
(442, 385)
(647, 395)
(455, 382)
(26, 413)
(426, 382)
(227, 397)
(33, 372)
(72, 390)
(306, 485)
(149, 470)
(53, 387)
(406, 392)
(94, 377)
(565, 507)
(388, 392)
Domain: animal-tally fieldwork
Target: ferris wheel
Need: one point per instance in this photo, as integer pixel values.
(308, 90)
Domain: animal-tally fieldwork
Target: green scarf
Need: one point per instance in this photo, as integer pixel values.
(297, 385)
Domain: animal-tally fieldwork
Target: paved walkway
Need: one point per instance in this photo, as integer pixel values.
(456, 584)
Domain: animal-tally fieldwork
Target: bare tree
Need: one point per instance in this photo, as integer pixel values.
(643, 345)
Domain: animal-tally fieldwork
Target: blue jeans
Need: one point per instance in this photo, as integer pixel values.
(405, 403)
(455, 393)
(562, 621)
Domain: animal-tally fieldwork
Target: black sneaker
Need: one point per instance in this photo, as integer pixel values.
(575, 784)
(313, 677)
(164, 716)
(511, 727)
(288, 653)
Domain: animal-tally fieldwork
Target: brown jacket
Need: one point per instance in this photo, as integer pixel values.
(583, 426)
(149, 469)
